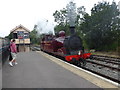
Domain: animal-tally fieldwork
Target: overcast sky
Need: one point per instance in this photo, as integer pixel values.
(30, 12)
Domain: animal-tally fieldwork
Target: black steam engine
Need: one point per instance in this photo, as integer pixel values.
(69, 47)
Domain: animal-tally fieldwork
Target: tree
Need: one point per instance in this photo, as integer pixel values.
(34, 36)
(100, 29)
(9, 36)
(63, 17)
(60, 18)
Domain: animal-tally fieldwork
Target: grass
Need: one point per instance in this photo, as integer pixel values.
(110, 54)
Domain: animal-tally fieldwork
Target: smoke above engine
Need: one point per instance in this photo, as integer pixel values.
(71, 16)
(45, 27)
(71, 13)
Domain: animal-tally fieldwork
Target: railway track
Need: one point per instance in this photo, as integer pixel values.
(103, 66)
(103, 71)
(99, 57)
(106, 66)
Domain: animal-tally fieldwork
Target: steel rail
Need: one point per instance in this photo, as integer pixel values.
(113, 68)
(113, 62)
(103, 75)
(106, 58)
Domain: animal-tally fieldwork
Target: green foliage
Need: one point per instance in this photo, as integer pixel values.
(34, 36)
(62, 27)
(9, 36)
(60, 18)
(101, 27)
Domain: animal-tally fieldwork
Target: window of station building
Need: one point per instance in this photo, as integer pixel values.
(15, 35)
(20, 34)
(26, 35)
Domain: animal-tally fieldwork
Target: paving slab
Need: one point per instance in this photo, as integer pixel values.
(36, 71)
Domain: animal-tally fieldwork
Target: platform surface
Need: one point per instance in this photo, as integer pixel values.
(36, 71)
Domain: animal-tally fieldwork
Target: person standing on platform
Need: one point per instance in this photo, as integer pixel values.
(13, 50)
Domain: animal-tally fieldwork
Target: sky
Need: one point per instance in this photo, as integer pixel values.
(31, 12)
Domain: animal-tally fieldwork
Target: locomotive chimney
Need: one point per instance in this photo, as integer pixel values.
(72, 30)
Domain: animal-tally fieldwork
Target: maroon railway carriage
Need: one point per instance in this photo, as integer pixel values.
(69, 47)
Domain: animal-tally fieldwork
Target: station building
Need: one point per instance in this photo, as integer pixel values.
(22, 39)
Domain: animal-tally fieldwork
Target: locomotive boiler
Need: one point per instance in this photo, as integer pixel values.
(69, 47)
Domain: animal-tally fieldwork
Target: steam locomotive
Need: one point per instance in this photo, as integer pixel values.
(69, 47)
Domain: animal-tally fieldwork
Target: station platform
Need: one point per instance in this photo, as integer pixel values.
(37, 71)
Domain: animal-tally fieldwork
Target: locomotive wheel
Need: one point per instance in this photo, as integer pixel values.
(79, 63)
(82, 62)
